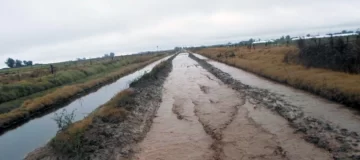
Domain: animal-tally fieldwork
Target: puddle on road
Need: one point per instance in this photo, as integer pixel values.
(216, 123)
(292, 144)
(312, 105)
(170, 137)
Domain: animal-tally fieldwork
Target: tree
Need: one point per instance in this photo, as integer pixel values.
(251, 40)
(308, 35)
(112, 55)
(29, 63)
(301, 43)
(10, 63)
(18, 63)
(288, 38)
(282, 39)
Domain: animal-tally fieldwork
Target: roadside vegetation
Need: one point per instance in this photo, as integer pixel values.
(337, 54)
(74, 139)
(26, 81)
(64, 94)
(70, 140)
(328, 73)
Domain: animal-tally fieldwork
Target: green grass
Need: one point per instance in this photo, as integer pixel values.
(31, 106)
(72, 140)
(30, 85)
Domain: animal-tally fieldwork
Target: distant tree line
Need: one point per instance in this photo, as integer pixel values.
(12, 63)
(111, 55)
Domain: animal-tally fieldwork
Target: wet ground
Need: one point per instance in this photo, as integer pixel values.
(312, 105)
(316, 118)
(200, 117)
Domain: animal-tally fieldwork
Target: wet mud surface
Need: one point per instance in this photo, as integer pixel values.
(199, 112)
(334, 138)
(114, 141)
(201, 117)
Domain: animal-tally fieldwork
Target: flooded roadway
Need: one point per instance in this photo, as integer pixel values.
(202, 118)
(312, 105)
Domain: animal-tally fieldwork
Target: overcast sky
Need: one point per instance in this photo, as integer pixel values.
(51, 31)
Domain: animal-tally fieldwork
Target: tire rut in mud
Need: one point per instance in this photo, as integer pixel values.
(342, 143)
(215, 133)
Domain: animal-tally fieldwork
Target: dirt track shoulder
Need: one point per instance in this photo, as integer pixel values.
(114, 140)
(340, 142)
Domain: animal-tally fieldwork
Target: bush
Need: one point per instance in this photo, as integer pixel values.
(339, 56)
(64, 119)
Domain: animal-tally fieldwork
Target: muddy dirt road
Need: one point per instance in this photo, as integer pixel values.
(202, 118)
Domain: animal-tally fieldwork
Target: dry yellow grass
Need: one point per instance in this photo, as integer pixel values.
(62, 94)
(113, 110)
(70, 141)
(73, 139)
(268, 62)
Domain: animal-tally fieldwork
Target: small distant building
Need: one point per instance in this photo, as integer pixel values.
(263, 42)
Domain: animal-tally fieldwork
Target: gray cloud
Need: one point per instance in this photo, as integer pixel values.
(48, 31)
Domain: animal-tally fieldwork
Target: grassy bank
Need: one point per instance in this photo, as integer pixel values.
(269, 62)
(13, 104)
(25, 82)
(63, 94)
(73, 141)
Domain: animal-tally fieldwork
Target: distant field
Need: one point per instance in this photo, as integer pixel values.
(269, 62)
(19, 82)
(13, 75)
(24, 108)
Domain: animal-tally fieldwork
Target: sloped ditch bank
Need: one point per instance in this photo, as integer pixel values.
(16, 143)
(111, 130)
(342, 143)
(23, 114)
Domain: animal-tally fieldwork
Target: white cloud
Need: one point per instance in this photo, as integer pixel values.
(48, 31)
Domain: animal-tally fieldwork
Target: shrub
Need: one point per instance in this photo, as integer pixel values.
(64, 119)
(71, 141)
(340, 57)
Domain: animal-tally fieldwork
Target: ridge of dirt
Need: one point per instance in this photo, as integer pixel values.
(178, 109)
(341, 143)
(116, 140)
(216, 132)
(204, 89)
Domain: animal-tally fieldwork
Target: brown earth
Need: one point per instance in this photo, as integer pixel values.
(206, 114)
(200, 117)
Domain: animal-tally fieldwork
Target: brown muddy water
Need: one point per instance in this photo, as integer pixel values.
(15, 144)
(202, 118)
(312, 105)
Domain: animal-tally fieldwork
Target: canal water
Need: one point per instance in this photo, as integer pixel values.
(15, 144)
